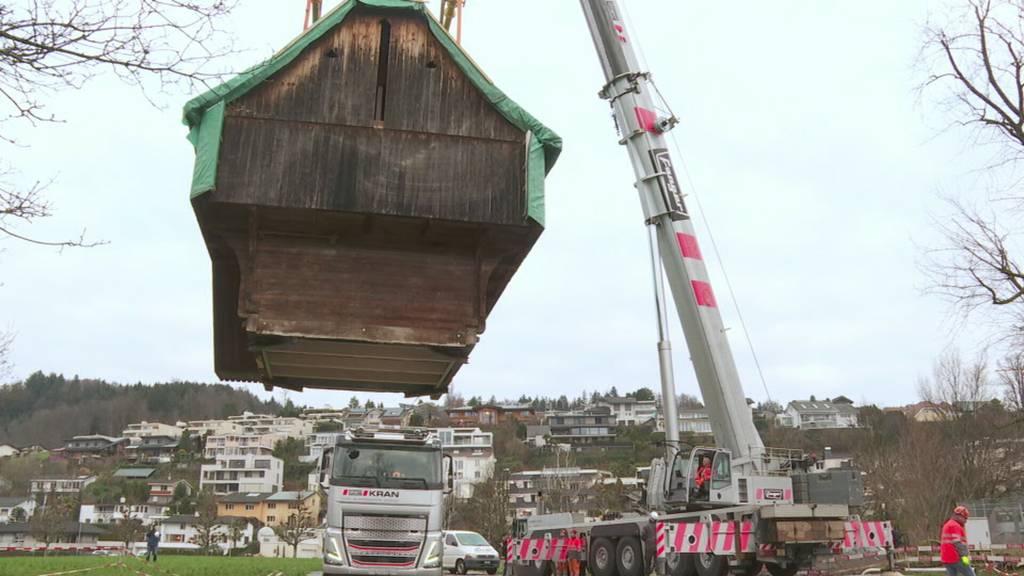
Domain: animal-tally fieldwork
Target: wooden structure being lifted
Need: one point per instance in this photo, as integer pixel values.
(365, 196)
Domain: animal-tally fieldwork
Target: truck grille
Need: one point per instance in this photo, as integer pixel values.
(392, 541)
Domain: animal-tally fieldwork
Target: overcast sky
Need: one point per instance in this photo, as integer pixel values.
(807, 146)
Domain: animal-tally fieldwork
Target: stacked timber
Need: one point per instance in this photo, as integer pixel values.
(365, 196)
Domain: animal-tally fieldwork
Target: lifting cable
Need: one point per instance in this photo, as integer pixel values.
(700, 209)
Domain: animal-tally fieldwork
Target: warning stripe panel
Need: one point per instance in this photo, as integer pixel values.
(660, 540)
(704, 294)
(718, 538)
(866, 534)
(530, 549)
(688, 246)
(647, 119)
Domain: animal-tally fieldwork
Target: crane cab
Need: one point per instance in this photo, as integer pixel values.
(675, 485)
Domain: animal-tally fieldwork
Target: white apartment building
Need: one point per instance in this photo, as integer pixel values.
(136, 432)
(241, 445)
(26, 504)
(694, 421)
(472, 452)
(630, 411)
(242, 474)
(111, 513)
(267, 424)
(213, 427)
(180, 533)
(60, 484)
(577, 483)
(317, 442)
(324, 415)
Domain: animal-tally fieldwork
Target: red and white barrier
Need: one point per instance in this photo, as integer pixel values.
(58, 548)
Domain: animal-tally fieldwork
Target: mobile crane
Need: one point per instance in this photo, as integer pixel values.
(747, 517)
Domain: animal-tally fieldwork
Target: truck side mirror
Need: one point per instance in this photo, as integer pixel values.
(449, 484)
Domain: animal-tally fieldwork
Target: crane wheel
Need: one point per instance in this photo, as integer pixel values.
(603, 558)
(680, 565)
(710, 564)
(780, 570)
(629, 557)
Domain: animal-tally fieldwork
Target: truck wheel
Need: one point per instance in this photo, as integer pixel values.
(680, 565)
(780, 570)
(460, 566)
(711, 565)
(602, 558)
(629, 558)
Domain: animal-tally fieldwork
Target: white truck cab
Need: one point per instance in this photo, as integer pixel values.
(465, 551)
(385, 491)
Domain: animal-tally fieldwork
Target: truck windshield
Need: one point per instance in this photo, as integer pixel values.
(387, 467)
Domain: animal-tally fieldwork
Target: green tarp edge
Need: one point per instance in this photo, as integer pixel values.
(535, 172)
(204, 114)
(205, 137)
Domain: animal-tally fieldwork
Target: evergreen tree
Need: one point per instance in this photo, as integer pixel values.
(644, 394)
(562, 403)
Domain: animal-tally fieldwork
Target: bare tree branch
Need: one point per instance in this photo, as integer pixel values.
(6, 340)
(48, 46)
(978, 62)
(1011, 376)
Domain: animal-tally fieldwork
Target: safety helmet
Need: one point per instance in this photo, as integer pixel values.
(961, 511)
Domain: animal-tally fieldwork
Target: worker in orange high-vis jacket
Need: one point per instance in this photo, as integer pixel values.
(703, 480)
(953, 552)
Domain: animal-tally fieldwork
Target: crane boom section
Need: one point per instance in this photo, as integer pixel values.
(630, 92)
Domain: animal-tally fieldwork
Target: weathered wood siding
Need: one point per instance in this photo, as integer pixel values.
(335, 131)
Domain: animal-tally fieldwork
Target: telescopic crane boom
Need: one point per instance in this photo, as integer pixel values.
(676, 253)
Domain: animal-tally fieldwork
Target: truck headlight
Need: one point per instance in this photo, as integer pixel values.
(332, 549)
(433, 557)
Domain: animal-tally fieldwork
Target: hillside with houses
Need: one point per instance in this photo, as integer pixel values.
(248, 482)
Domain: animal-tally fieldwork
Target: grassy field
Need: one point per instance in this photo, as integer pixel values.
(167, 566)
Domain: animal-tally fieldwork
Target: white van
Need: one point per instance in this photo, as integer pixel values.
(464, 551)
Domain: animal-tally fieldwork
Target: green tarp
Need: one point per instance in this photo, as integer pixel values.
(204, 114)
